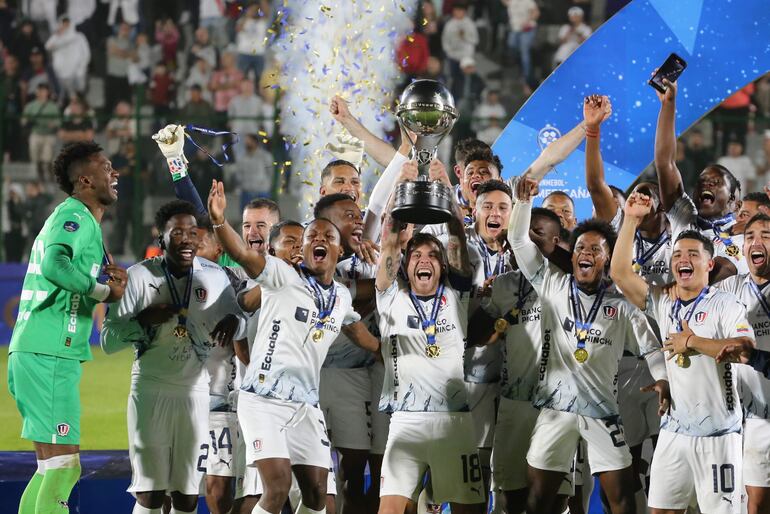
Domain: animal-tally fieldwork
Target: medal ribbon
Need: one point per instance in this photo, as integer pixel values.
(352, 272)
(678, 307)
(718, 226)
(428, 324)
(324, 308)
(583, 325)
(181, 305)
(762, 300)
(641, 256)
(510, 317)
(213, 133)
(486, 255)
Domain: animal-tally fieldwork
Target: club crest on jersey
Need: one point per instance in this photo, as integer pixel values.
(610, 312)
(201, 294)
(257, 445)
(413, 322)
(301, 314)
(62, 429)
(700, 317)
(71, 226)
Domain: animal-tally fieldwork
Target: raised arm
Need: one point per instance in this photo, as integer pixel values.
(253, 262)
(596, 109)
(170, 140)
(457, 246)
(528, 255)
(390, 250)
(669, 178)
(556, 152)
(634, 287)
(385, 185)
(381, 151)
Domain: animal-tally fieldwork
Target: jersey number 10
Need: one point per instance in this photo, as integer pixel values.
(723, 477)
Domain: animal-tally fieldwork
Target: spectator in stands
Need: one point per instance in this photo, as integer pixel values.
(77, 124)
(70, 54)
(128, 10)
(14, 241)
(697, 151)
(412, 54)
(15, 98)
(162, 92)
(490, 133)
(119, 55)
(435, 69)
(203, 49)
(24, 41)
(212, 16)
(41, 118)
(522, 17)
(253, 171)
(571, 35)
(489, 108)
(38, 73)
(251, 30)
(468, 87)
(196, 110)
(762, 159)
(121, 128)
(125, 162)
(141, 61)
(167, 36)
(459, 39)
(42, 13)
(81, 14)
(686, 166)
(741, 166)
(428, 23)
(203, 171)
(7, 22)
(225, 82)
(200, 75)
(245, 112)
(37, 206)
(731, 118)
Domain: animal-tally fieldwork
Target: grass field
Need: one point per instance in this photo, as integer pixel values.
(103, 393)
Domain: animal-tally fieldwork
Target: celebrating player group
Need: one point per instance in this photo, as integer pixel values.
(499, 360)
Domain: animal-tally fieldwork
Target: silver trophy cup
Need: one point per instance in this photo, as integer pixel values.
(428, 110)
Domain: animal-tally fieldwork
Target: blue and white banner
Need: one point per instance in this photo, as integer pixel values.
(726, 44)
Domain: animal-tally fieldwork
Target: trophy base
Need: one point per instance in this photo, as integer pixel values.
(423, 203)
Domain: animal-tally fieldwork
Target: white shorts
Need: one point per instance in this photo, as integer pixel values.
(638, 410)
(556, 436)
(223, 443)
(483, 400)
(166, 435)
(345, 397)
(441, 441)
(380, 420)
(756, 452)
(282, 429)
(707, 468)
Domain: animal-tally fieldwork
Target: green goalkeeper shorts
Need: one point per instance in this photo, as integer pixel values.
(47, 394)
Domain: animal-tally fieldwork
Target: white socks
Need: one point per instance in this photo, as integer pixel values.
(258, 510)
(177, 511)
(307, 510)
(138, 509)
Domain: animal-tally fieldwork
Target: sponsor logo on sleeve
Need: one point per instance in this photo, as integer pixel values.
(610, 312)
(413, 322)
(301, 314)
(71, 226)
(742, 328)
(567, 324)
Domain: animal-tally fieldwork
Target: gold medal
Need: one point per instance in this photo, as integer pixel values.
(581, 355)
(180, 331)
(733, 251)
(683, 361)
(501, 325)
(432, 351)
(637, 267)
(318, 335)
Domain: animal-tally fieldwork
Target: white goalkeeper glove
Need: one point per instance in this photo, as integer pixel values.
(347, 148)
(170, 140)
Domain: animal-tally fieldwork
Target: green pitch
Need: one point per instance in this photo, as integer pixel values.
(103, 392)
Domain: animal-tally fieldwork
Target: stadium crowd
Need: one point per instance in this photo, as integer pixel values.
(506, 356)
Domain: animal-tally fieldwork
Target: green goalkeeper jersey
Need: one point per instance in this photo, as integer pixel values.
(53, 320)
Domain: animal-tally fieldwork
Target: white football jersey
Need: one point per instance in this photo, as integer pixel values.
(222, 377)
(590, 388)
(704, 395)
(656, 269)
(343, 353)
(754, 387)
(285, 360)
(414, 381)
(684, 216)
(521, 348)
(161, 357)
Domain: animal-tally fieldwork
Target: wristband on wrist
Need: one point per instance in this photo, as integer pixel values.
(686, 341)
(592, 132)
(218, 225)
(178, 167)
(100, 292)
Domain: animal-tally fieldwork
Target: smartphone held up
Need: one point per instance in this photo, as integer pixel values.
(670, 70)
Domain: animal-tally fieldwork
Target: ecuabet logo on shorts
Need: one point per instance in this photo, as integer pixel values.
(610, 312)
(201, 294)
(700, 317)
(257, 445)
(62, 429)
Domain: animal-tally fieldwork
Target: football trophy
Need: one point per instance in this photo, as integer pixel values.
(427, 109)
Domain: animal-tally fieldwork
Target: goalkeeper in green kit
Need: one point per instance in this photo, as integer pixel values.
(50, 339)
